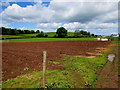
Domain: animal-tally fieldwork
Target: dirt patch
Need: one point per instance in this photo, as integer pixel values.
(108, 75)
(52, 74)
(86, 56)
(97, 52)
(30, 77)
(17, 56)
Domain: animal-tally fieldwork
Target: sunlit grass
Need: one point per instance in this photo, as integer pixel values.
(46, 39)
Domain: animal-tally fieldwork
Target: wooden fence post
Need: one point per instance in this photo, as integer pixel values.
(44, 69)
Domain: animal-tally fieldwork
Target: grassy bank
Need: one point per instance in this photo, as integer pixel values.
(50, 34)
(46, 39)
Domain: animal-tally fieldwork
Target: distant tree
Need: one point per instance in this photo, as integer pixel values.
(37, 31)
(3, 30)
(55, 36)
(0, 30)
(88, 33)
(41, 34)
(32, 31)
(81, 33)
(20, 31)
(92, 35)
(61, 32)
(13, 32)
(96, 35)
(45, 35)
(27, 31)
(77, 33)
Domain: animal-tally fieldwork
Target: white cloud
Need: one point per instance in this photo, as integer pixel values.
(63, 0)
(74, 25)
(108, 17)
(60, 11)
(24, 28)
(93, 27)
(94, 16)
(49, 25)
(85, 0)
(90, 25)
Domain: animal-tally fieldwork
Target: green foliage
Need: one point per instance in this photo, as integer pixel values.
(55, 79)
(81, 33)
(37, 31)
(27, 31)
(61, 32)
(9, 31)
(58, 85)
(45, 35)
(32, 31)
(92, 35)
(41, 34)
(86, 68)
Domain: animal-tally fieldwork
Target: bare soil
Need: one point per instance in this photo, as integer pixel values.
(20, 55)
(108, 75)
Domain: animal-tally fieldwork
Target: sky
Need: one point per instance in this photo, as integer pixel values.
(98, 17)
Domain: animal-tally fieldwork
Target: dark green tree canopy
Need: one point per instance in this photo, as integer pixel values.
(78, 33)
(41, 34)
(61, 32)
(37, 31)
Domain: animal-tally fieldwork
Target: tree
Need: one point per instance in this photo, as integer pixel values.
(20, 31)
(37, 31)
(41, 34)
(81, 33)
(13, 32)
(96, 35)
(92, 35)
(61, 32)
(77, 33)
(27, 31)
(32, 31)
(45, 35)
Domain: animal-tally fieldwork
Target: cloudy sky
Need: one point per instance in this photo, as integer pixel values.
(98, 17)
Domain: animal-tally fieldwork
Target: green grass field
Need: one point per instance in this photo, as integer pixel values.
(50, 34)
(32, 38)
(46, 39)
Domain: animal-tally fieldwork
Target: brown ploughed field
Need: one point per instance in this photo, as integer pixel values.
(19, 55)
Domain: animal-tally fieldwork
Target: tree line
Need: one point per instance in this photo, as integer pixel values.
(60, 33)
(9, 31)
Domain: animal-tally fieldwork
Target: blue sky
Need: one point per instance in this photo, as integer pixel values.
(47, 16)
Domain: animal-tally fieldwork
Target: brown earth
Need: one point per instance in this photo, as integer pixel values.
(108, 75)
(23, 57)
